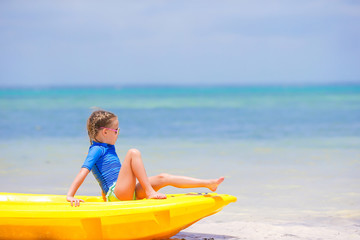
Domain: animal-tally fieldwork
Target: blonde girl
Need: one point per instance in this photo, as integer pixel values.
(118, 181)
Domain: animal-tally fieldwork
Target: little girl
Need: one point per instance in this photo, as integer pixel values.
(118, 182)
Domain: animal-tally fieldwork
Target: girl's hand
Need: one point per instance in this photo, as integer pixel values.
(74, 201)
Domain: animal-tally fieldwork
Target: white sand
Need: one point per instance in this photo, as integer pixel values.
(258, 230)
(343, 225)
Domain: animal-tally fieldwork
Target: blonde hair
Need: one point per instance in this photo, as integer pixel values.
(97, 120)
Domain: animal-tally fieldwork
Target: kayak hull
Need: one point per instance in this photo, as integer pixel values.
(35, 216)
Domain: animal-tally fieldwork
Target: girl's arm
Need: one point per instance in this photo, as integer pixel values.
(79, 179)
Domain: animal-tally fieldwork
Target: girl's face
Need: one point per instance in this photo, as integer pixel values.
(111, 133)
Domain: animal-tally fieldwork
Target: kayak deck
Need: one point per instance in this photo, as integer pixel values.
(34, 216)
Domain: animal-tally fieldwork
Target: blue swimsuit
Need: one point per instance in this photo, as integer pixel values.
(104, 163)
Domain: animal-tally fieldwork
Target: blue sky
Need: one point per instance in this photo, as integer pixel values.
(98, 43)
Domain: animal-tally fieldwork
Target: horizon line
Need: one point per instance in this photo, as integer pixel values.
(221, 85)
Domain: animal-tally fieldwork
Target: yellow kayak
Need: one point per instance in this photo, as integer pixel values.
(37, 216)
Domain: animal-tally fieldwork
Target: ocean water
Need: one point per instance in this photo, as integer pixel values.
(286, 152)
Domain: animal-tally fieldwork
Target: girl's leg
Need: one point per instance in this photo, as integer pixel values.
(165, 179)
(132, 169)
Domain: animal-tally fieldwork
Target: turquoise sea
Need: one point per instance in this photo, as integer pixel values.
(287, 152)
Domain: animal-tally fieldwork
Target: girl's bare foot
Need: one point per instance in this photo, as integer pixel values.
(156, 195)
(215, 183)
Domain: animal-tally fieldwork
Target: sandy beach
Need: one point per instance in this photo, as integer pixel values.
(256, 230)
(322, 228)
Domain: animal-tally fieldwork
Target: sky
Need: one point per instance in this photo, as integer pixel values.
(116, 43)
